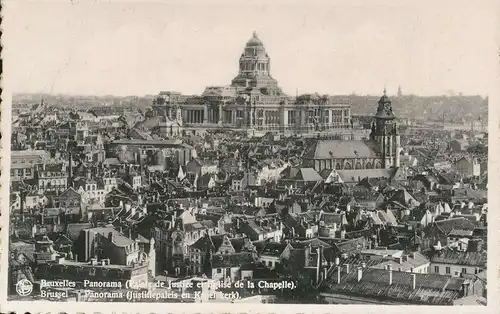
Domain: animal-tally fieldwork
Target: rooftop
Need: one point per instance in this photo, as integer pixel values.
(429, 289)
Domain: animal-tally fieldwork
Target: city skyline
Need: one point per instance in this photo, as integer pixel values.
(354, 49)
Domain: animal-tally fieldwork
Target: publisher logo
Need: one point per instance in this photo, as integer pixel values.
(24, 287)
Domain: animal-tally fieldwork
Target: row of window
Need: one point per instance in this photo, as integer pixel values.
(53, 182)
(456, 273)
(20, 172)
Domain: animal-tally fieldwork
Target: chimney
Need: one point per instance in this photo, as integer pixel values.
(414, 281)
(390, 274)
(363, 265)
(337, 261)
(339, 269)
(70, 166)
(306, 256)
(342, 234)
(318, 263)
(360, 273)
(110, 237)
(346, 268)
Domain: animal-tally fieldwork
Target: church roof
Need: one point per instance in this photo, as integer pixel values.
(327, 149)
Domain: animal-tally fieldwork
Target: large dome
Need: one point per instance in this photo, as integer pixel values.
(254, 41)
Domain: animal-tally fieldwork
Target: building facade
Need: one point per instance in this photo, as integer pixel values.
(254, 101)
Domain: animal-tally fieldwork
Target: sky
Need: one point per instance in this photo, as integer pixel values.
(132, 48)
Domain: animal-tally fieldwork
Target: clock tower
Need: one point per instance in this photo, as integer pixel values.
(385, 133)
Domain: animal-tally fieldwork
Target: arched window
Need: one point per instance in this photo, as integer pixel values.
(378, 165)
(368, 165)
(348, 166)
(358, 166)
(338, 167)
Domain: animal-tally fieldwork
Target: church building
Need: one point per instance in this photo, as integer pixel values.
(381, 151)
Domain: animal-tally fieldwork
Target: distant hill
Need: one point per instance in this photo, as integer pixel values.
(451, 108)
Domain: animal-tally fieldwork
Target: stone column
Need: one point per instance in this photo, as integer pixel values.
(220, 114)
(330, 117)
(245, 117)
(304, 117)
(205, 114)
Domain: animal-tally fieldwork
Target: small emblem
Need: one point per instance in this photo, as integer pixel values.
(24, 287)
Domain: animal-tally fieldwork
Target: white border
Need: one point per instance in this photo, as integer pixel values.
(73, 307)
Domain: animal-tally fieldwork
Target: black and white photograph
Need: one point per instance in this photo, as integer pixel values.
(239, 153)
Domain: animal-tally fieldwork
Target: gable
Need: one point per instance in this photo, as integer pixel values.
(226, 246)
(70, 193)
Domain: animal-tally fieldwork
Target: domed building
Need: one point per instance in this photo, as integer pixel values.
(255, 70)
(254, 101)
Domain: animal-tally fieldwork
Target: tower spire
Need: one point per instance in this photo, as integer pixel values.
(385, 90)
(254, 34)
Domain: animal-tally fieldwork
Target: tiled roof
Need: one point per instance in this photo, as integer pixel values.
(429, 289)
(315, 242)
(448, 225)
(341, 149)
(118, 238)
(381, 217)
(410, 263)
(199, 225)
(231, 260)
(460, 258)
(404, 198)
(354, 175)
(460, 233)
(273, 249)
(308, 175)
(350, 246)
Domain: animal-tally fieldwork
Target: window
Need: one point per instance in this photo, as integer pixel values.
(219, 270)
(464, 270)
(448, 270)
(436, 269)
(270, 264)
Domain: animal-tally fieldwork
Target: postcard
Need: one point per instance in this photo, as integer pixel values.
(232, 156)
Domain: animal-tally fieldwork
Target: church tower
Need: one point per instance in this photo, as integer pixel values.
(385, 133)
